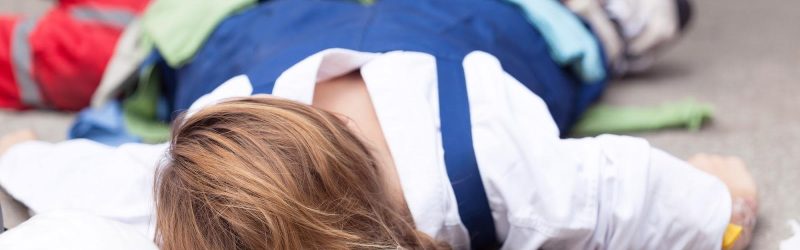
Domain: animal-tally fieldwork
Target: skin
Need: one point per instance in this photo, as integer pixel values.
(348, 96)
(9, 140)
(733, 172)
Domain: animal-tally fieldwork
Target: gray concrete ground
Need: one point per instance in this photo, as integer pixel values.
(741, 56)
(26, 7)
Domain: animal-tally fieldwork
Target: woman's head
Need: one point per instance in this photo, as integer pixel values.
(266, 173)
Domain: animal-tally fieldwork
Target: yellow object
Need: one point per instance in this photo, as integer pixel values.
(731, 235)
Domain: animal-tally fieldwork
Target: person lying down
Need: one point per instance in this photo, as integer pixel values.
(411, 124)
(355, 160)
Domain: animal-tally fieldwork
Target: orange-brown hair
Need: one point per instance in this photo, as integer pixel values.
(266, 173)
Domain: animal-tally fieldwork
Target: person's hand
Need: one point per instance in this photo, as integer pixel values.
(744, 195)
(731, 170)
(9, 140)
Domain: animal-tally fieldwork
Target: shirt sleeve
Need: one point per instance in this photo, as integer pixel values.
(657, 201)
(85, 176)
(606, 192)
(74, 230)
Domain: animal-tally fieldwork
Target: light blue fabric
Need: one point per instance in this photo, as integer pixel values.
(571, 43)
(103, 124)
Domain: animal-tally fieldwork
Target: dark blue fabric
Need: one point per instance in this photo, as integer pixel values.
(459, 155)
(269, 38)
(307, 29)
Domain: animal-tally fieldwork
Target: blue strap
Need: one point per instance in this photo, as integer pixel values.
(459, 155)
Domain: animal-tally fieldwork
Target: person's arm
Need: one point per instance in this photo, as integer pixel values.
(744, 195)
(659, 202)
(12, 212)
(74, 230)
(82, 175)
(606, 192)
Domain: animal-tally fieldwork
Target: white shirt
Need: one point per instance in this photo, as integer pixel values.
(608, 192)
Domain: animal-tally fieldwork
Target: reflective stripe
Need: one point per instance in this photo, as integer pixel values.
(22, 56)
(23, 65)
(119, 18)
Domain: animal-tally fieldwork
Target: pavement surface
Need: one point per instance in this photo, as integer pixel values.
(741, 56)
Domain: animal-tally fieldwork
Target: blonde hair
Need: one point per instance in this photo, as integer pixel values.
(266, 173)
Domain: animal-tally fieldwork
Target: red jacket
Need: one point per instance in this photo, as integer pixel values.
(56, 61)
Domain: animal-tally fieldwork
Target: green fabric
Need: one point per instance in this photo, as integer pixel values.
(180, 27)
(139, 109)
(609, 119)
